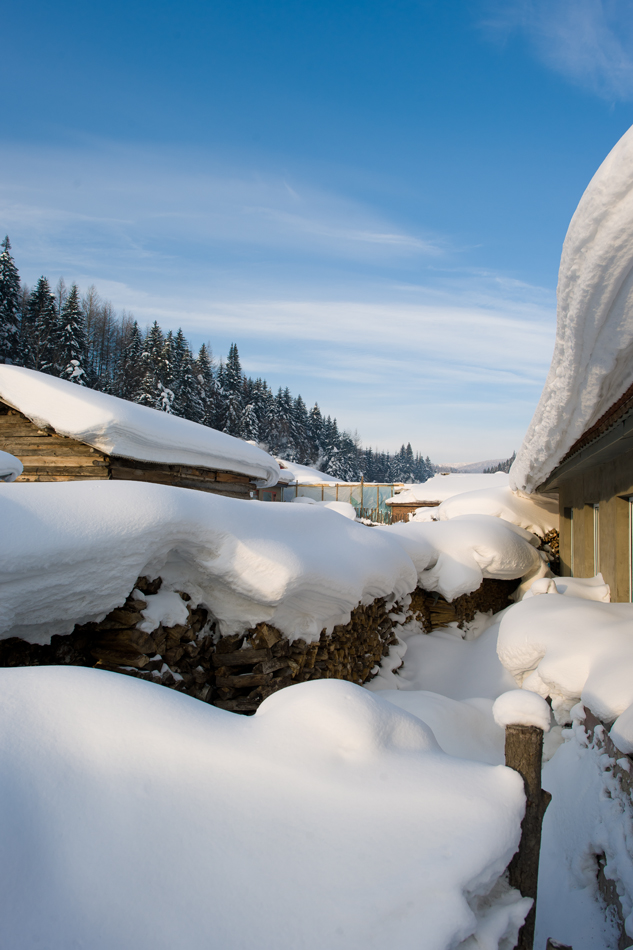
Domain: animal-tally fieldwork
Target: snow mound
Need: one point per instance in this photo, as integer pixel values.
(118, 427)
(592, 365)
(136, 817)
(10, 467)
(521, 707)
(341, 507)
(571, 650)
(71, 552)
(535, 513)
(453, 557)
(441, 487)
(586, 588)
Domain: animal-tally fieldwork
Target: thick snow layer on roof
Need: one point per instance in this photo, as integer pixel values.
(71, 551)
(535, 513)
(571, 650)
(342, 507)
(441, 487)
(118, 427)
(10, 467)
(592, 365)
(453, 557)
(292, 472)
(136, 817)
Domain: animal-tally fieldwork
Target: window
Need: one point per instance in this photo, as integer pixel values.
(596, 539)
(568, 514)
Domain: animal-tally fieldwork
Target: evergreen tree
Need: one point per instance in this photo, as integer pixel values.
(39, 329)
(249, 425)
(10, 306)
(71, 342)
(130, 370)
(203, 369)
(154, 390)
(188, 399)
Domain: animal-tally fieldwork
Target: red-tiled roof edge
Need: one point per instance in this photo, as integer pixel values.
(608, 419)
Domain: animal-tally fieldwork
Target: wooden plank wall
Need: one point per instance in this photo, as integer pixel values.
(46, 456)
(49, 457)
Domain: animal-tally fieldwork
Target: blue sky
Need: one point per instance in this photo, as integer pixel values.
(368, 198)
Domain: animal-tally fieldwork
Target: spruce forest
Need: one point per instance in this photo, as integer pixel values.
(80, 338)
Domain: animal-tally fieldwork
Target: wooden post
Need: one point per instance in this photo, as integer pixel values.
(524, 754)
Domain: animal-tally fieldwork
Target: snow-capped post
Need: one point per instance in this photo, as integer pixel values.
(526, 716)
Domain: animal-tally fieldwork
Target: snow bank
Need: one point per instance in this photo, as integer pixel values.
(592, 365)
(452, 557)
(10, 467)
(71, 552)
(571, 650)
(535, 513)
(119, 427)
(521, 707)
(136, 817)
(342, 507)
(441, 487)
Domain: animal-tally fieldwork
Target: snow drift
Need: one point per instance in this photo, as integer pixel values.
(535, 513)
(453, 557)
(118, 427)
(592, 365)
(138, 818)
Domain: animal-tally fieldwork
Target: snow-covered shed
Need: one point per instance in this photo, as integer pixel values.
(61, 432)
(579, 443)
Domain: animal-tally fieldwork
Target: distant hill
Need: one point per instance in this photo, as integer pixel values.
(470, 468)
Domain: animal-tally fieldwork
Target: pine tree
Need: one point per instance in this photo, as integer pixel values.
(130, 369)
(71, 341)
(249, 426)
(188, 399)
(10, 309)
(154, 391)
(203, 369)
(39, 329)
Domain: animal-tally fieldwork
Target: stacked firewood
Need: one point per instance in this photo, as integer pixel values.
(233, 672)
(432, 610)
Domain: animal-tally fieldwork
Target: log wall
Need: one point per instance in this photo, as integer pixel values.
(50, 457)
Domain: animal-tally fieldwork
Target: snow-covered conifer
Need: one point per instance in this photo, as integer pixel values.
(71, 349)
(10, 309)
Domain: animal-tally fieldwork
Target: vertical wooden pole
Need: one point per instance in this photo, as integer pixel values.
(524, 754)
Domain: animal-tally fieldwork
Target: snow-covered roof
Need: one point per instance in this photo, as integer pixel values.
(592, 365)
(441, 487)
(291, 472)
(536, 513)
(118, 427)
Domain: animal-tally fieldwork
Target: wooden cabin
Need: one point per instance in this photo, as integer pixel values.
(50, 457)
(62, 432)
(400, 511)
(594, 481)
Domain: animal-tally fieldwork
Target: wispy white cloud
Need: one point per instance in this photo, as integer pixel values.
(590, 42)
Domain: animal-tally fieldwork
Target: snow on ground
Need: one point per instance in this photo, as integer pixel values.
(592, 365)
(291, 472)
(119, 427)
(441, 487)
(535, 513)
(138, 818)
(342, 507)
(10, 467)
(72, 551)
(452, 557)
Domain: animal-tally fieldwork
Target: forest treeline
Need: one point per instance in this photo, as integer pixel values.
(81, 338)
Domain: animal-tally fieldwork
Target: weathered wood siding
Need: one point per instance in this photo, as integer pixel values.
(49, 457)
(401, 512)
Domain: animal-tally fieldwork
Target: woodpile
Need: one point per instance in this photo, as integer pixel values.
(432, 610)
(234, 672)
